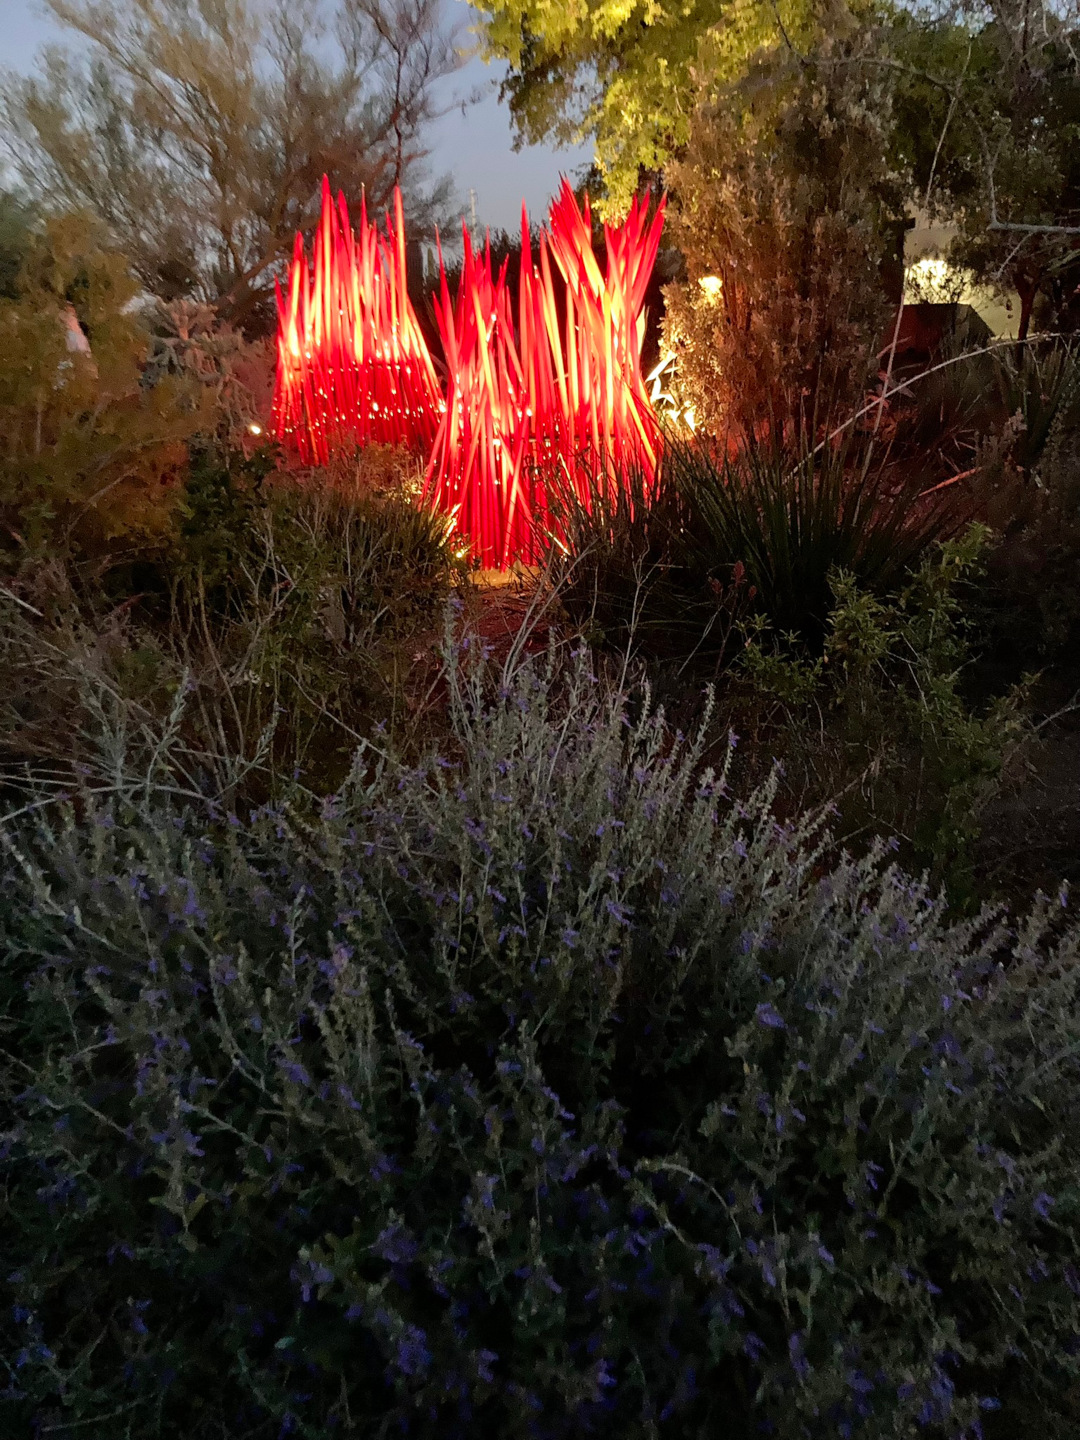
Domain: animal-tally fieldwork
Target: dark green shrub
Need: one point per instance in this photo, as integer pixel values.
(1029, 489)
(294, 616)
(889, 716)
(673, 568)
(794, 519)
(311, 606)
(539, 1089)
(221, 504)
(637, 573)
(245, 533)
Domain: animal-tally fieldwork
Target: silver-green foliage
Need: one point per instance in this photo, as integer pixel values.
(540, 1088)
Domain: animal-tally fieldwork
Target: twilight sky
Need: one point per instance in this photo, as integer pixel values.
(473, 148)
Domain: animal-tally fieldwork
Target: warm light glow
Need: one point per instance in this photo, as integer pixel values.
(931, 270)
(933, 279)
(712, 286)
(255, 429)
(555, 389)
(353, 365)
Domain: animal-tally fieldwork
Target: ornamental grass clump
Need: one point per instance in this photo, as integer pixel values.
(278, 623)
(676, 567)
(540, 1088)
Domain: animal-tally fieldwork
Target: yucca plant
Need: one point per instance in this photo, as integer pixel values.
(792, 520)
(672, 566)
(1039, 390)
(631, 573)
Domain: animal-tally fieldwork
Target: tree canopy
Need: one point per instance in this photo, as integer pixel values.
(988, 118)
(984, 97)
(199, 132)
(626, 72)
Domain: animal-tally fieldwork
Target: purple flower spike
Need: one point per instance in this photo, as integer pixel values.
(767, 1015)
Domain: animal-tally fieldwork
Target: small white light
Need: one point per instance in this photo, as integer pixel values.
(255, 429)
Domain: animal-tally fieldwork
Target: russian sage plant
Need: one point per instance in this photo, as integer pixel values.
(541, 1088)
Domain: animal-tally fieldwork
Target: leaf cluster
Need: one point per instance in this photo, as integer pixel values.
(88, 453)
(889, 702)
(626, 75)
(199, 134)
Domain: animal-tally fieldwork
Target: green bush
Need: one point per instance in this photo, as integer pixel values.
(674, 567)
(292, 615)
(794, 519)
(313, 607)
(541, 1088)
(786, 208)
(888, 713)
(89, 455)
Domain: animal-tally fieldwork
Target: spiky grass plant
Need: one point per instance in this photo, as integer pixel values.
(793, 519)
(672, 565)
(631, 574)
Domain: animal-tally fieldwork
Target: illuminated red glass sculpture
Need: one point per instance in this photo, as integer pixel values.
(352, 363)
(552, 397)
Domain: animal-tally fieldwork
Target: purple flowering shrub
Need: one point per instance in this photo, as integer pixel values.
(542, 1088)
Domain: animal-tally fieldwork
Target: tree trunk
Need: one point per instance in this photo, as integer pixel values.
(1027, 290)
